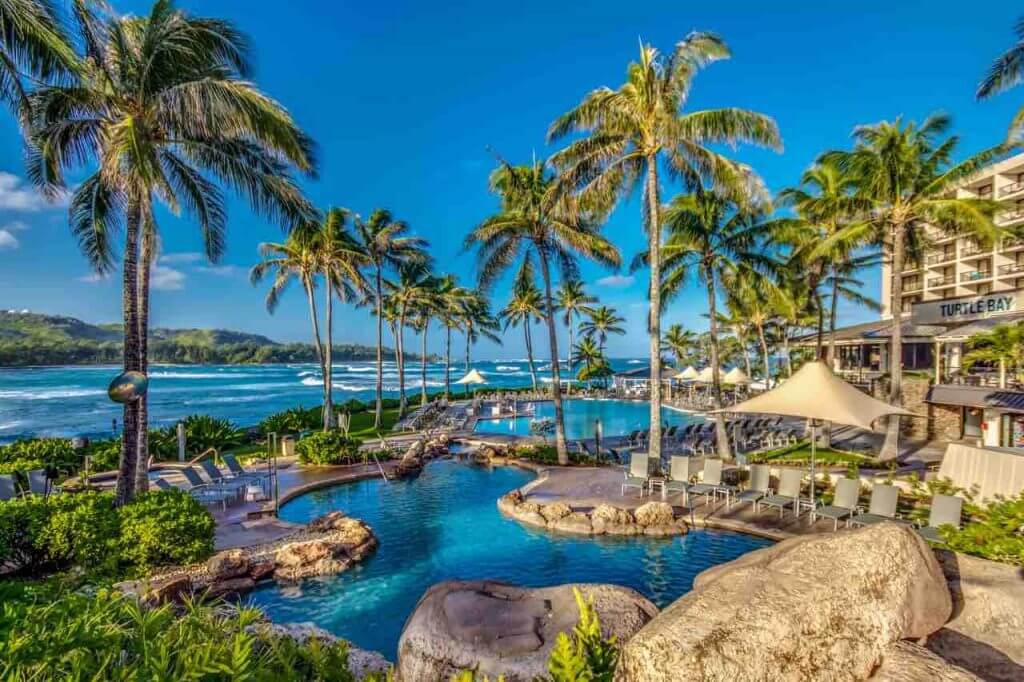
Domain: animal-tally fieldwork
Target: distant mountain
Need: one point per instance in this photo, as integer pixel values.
(33, 339)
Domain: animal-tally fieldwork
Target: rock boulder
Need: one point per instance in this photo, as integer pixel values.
(554, 511)
(817, 607)
(232, 563)
(654, 514)
(494, 628)
(906, 662)
(348, 540)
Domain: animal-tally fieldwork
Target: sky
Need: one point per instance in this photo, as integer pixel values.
(409, 102)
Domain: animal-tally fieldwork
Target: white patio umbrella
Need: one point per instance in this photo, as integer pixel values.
(815, 393)
(736, 377)
(688, 374)
(472, 377)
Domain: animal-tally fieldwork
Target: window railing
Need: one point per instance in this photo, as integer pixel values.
(1012, 214)
(936, 258)
(1012, 242)
(1011, 189)
(1011, 268)
(975, 275)
(941, 281)
(973, 250)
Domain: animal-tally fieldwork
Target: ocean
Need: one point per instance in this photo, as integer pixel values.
(72, 400)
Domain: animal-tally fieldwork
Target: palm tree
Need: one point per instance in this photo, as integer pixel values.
(388, 245)
(589, 354)
(411, 292)
(525, 307)
(753, 301)
(1004, 73)
(740, 326)
(843, 284)
(477, 322)
(712, 236)
(639, 127)
(33, 46)
(165, 110)
(573, 301)
(904, 171)
(450, 299)
(600, 323)
(539, 222)
(680, 342)
(1003, 345)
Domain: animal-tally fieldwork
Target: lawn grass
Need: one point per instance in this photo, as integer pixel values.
(801, 452)
(361, 425)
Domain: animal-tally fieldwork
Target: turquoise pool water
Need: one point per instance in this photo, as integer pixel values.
(618, 418)
(445, 525)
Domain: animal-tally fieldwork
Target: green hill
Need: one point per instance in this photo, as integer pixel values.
(33, 339)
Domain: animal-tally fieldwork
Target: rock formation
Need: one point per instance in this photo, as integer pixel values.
(652, 518)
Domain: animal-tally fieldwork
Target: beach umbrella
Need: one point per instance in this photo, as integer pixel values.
(736, 377)
(688, 374)
(706, 375)
(472, 377)
(815, 393)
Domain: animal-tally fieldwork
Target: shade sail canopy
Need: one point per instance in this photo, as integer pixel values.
(736, 376)
(815, 392)
(688, 374)
(472, 377)
(706, 375)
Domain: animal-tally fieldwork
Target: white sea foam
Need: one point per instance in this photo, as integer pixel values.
(507, 368)
(49, 395)
(635, 362)
(199, 375)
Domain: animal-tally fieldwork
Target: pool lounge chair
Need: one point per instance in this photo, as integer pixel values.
(678, 478)
(882, 507)
(218, 477)
(638, 475)
(945, 511)
(760, 482)
(39, 482)
(8, 488)
(207, 493)
(238, 471)
(844, 505)
(711, 482)
(788, 494)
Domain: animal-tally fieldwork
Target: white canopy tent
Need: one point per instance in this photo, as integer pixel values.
(472, 377)
(736, 377)
(688, 374)
(706, 375)
(815, 393)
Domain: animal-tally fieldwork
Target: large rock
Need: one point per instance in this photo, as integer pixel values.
(555, 511)
(360, 661)
(232, 563)
(576, 522)
(611, 515)
(494, 629)
(348, 540)
(821, 607)
(906, 662)
(985, 634)
(654, 514)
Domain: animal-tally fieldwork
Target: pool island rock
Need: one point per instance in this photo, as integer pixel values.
(656, 519)
(497, 629)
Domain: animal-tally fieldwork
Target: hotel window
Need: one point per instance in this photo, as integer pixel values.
(985, 191)
(984, 288)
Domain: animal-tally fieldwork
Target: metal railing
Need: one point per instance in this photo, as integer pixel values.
(941, 281)
(1012, 214)
(936, 258)
(973, 250)
(1011, 189)
(975, 275)
(912, 287)
(1011, 268)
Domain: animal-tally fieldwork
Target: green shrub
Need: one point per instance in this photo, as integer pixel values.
(82, 530)
(547, 454)
(23, 522)
(331, 447)
(292, 421)
(585, 655)
(353, 406)
(105, 455)
(71, 636)
(994, 532)
(162, 527)
(202, 432)
(37, 453)
(20, 466)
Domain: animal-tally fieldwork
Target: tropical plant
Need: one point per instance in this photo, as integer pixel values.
(1002, 345)
(584, 654)
(292, 420)
(33, 46)
(327, 448)
(539, 222)
(411, 292)
(449, 299)
(388, 245)
(680, 342)
(525, 307)
(634, 131)
(601, 322)
(165, 527)
(163, 110)
(993, 531)
(905, 173)
(202, 433)
(574, 302)
(590, 355)
(712, 236)
(477, 322)
(1006, 72)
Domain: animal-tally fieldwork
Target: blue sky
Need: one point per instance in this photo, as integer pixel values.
(405, 99)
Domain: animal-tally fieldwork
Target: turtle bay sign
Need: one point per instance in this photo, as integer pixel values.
(967, 308)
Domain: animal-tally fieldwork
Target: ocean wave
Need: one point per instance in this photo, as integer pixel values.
(49, 395)
(635, 362)
(199, 375)
(507, 368)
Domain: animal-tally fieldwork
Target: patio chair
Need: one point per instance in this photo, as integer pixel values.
(218, 477)
(843, 506)
(638, 475)
(945, 511)
(882, 507)
(238, 471)
(38, 482)
(678, 478)
(162, 484)
(760, 482)
(788, 494)
(8, 488)
(711, 482)
(207, 493)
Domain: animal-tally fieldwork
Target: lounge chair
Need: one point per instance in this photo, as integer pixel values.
(207, 493)
(788, 494)
(162, 484)
(760, 481)
(844, 505)
(238, 471)
(218, 477)
(882, 507)
(8, 487)
(38, 482)
(945, 511)
(711, 482)
(678, 478)
(637, 476)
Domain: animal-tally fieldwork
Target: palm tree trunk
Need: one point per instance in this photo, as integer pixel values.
(556, 385)
(423, 365)
(529, 352)
(724, 451)
(890, 448)
(764, 353)
(142, 415)
(379, 409)
(832, 323)
(654, 316)
(400, 342)
(328, 411)
(568, 357)
(125, 488)
(469, 333)
(447, 361)
(317, 344)
(820, 340)
(746, 354)
(785, 350)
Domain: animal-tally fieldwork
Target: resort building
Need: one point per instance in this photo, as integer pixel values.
(954, 288)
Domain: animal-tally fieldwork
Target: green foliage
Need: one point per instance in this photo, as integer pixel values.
(993, 532)
(585, 656)
(202, 432)
(165, 527)
(326, 448)
(547, 454)
(292, 421)
(110, 637)
(105, 455)
(82, 530)
(36, 453)
(23, 522)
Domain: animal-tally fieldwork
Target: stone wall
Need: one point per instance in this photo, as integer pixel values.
(940, 422)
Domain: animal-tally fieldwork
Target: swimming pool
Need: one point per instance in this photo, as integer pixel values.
(618, 418)
(445, 525)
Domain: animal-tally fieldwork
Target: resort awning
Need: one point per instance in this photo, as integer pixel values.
(999, 399)
(706, 375)
(814, 392)
(472, 377)
(688, 374)
(966, 331)
(736, 377)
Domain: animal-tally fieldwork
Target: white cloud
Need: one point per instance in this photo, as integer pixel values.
(16, 226)
(616, 281)
(219, 270)
(15, 195)
(92, 278)
(166, 279)
(7, 241)
(183, 257)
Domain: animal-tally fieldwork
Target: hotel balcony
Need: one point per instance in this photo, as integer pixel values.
(972, 250)
(939, 258)
(975, 276)
(1012, 243)
(912, 287)
(939, 282)
(940, 236)
(1014, 215)
(1011, 269)
(1011, 189)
